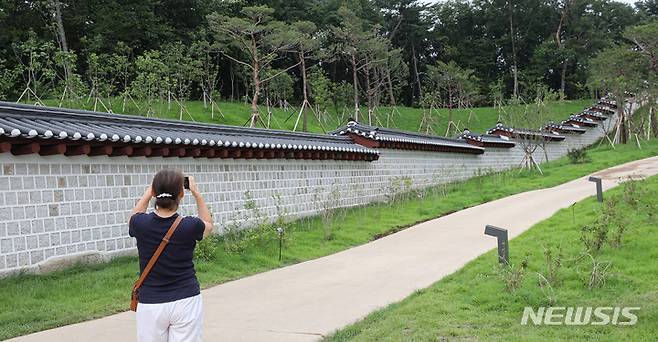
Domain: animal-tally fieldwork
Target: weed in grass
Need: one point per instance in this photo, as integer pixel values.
(511, 275)
(598, 273)
(633, 193)
(547, 289)
(328, 203)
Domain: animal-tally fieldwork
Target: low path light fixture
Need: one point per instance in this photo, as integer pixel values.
(503, 243)
(280, 231)
(599, 188)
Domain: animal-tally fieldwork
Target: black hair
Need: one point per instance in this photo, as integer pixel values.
(167, 182)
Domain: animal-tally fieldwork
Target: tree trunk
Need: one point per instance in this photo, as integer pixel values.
(654, 123)
(420, 89)
(254, 98)
(61, 34)
(368, 89)
(232, 77)
(61, 38)
(623, 132)
(563, 78)
(558, 42)
(391, 96)
(302, 65)
(515, 71)
(355, 81)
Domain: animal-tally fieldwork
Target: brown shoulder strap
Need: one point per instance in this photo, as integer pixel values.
(156, 255)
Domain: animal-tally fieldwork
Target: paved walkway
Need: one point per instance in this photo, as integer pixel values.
(309, 300)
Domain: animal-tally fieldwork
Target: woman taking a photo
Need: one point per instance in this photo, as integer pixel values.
(170, 307)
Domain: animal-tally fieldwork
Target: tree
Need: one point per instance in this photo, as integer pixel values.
(528, 120)
(619, 70)
(454, 86)
(280, 87)
(208, 75)
(7, 79)
(409, 26)
(151, 76)
(350, 37)
(305, 42)
(320, 89)
(35, 65)
(645, 40)
(183, 69)
(257, 37)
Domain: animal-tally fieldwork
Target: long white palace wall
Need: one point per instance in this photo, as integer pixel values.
(60, 208)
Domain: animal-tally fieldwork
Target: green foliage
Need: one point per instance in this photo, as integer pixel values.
(454, 86)
(578, 156)
(280, 87)
(182, 68)
(320, 87)
(151, 77)
(206, 249)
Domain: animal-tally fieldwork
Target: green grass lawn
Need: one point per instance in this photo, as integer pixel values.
(30, 303)
(405, 118)
(473, 303)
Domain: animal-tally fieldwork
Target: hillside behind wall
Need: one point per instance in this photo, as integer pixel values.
(57, 209)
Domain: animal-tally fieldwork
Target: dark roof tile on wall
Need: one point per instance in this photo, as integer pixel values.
(391, 138)
(53, 125)
(564, 128)
(580, 121)
(486, 140)
(513, 132)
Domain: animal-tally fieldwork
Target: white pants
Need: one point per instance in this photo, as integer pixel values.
(177, 321)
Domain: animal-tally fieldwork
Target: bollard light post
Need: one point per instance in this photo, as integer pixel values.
(280, 231)
(503, 243)
(599, 188)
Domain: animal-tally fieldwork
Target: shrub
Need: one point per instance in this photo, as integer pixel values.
(553, 264)
(206, 248)
(578, 156)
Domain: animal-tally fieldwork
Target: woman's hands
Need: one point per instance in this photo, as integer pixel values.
(204, 213)
(194, 188)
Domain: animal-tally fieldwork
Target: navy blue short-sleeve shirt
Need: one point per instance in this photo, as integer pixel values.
(173, 277)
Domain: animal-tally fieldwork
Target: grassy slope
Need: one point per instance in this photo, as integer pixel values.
(31, 303)
(473, 304)
(405, 118)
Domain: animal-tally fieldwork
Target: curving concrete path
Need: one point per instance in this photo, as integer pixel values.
(309, 300)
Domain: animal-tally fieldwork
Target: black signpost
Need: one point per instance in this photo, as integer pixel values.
(503, 243)
(599, 188)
